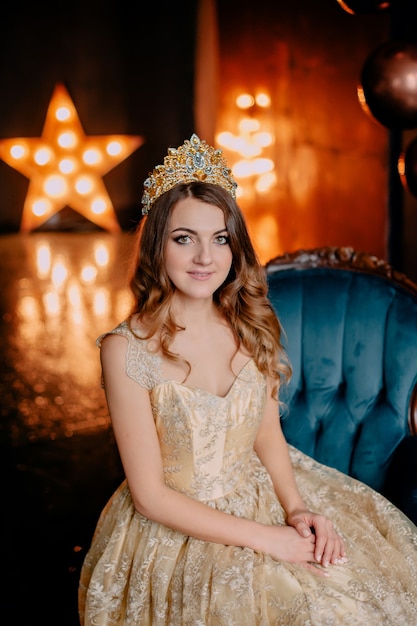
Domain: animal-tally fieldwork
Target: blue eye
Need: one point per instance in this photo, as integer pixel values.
(222, 240)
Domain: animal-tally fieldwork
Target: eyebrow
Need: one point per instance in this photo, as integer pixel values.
(194, 232)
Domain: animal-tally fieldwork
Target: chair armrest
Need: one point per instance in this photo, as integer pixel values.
(401, 482)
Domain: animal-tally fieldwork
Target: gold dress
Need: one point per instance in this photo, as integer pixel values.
(139, 572)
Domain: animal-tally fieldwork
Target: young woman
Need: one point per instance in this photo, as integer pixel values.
(219, 521)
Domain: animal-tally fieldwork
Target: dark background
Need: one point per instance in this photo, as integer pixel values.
(129, 69)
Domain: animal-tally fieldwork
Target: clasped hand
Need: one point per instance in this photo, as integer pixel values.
(314, 541)
(308, 540)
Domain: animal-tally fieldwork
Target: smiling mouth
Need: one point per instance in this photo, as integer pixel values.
(201, 274)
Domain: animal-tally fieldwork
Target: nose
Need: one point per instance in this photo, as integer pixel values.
(203, 255)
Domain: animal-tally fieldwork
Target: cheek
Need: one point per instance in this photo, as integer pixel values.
(228, 260)
(172, 257)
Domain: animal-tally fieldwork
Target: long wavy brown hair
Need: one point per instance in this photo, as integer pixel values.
(242, 299)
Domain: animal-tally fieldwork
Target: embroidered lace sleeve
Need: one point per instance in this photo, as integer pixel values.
(142, 366)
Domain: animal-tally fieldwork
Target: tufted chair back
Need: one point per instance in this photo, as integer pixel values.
(350, 330)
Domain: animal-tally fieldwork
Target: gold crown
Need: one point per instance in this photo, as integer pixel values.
(195, 160)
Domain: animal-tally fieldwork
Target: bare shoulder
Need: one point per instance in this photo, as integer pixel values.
(113, 342)
(113, 349)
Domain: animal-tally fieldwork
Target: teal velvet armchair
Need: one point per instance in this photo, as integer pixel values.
(350, 330)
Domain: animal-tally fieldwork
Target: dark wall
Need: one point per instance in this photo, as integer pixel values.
(331, 159)
(312, 54)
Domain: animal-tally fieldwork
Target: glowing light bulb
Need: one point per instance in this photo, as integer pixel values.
(59, 273)
(98, 206)
(66, 166)
(41, 207)
(67, 139)
(101, 255)
(263, 100)
(260, 166)
(28, 308)
(114, 148)
(43, 260)
(84, 185)
(91, 156)
(63, 114)
(17, 151)
(55, 186)
(88, 273)
(242, 169)
(51, 303)
(42, 156)
(225, 139)
(101, 302)
(245, 101)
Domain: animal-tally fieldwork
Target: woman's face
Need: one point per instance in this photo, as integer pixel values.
(197, 254)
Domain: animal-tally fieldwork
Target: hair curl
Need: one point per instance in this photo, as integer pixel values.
(242, 299)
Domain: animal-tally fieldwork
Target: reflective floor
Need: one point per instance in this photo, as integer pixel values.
(58, 292)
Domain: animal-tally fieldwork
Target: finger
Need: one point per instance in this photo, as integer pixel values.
(328, 553)
(304, 529)
(318, 571)
(321, 542)
(339, 556)
(325, 540)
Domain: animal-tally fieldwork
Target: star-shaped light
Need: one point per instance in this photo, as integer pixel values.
(65, 167)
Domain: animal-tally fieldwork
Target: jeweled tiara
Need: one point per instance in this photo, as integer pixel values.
(195, 160)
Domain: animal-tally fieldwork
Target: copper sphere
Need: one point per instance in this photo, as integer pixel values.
(388, 89)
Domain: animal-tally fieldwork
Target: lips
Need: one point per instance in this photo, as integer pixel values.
(201, 275)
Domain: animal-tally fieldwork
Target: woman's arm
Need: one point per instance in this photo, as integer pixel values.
(272, 449)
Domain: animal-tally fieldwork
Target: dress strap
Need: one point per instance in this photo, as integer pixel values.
(142, 366)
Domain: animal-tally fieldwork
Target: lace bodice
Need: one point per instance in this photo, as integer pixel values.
(206, 440)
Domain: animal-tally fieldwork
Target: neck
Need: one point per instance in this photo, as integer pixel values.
(192, 313)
